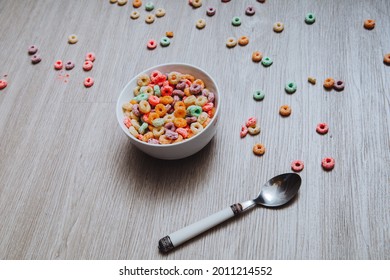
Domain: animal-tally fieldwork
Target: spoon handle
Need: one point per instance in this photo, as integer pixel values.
(175, 239)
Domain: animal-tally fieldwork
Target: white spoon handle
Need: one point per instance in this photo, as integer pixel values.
(175, 239)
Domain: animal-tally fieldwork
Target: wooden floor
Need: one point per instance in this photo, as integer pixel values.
(73, 187)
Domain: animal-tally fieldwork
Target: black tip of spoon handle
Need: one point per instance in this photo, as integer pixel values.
(165, 244)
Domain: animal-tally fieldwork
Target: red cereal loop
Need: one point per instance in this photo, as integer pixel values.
(322, 128)
(152, 44)
(251, 122)
(88, 82)
(90, 56)
(208, 106)
(153, 100)
(166, 90)
(328, 163)
(244, 131)
(182, 131)
(297, 165)
(87, 65)
(3, 84)
(58, 65)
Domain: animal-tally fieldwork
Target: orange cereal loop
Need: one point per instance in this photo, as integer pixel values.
(180, 113)
(179, 104)
(188, 77)
(166, 99)
(329, 83)
(163, 139)
(199, 82)
(180, 122)
(369, 24)
(152, 117)
(160, 109)
(243, 40)
(169, 34)
(133, 101)
(147, 136)
(386, 59)
(258, 149)
(137, 3)
(257, 56)
(285, 110)
(211, 112)
(187, 91)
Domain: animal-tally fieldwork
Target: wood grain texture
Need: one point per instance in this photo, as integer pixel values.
(73, 187)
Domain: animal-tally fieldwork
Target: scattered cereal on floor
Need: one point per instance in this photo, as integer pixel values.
(369, 24)
(58, 65)
(266, 61)
(196, 3)
(250, 11)
(169, 34)
(258, 149)
(72, 39)
(312, 80)
(90, 56)
(278, 27)
(291, 87)
(32, 49)
(328, 163)
(160, 12)
(87, 65)
(244, 131)
(200, 23)
(3, 84)
(134, 14)
(35, 59)
(339, 85)
(231, 42)
(257, 56)
(149, 6)
(137, 3)
(236, 21)
(258, 95)
(152, 44)
(88, 82)
(386, 59)
(243, 40)
(322, 128)
(310, 18)
(122, 2)
(69, 65)
(211, 11)
(165, 42)
(297, 165)
(285, 110)
(149, 18)
(329, 83)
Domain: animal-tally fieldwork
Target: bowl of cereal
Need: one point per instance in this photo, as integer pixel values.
(170, 111)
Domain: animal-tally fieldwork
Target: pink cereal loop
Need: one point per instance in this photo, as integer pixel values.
(87, 65)
(297, 165)
(328, 163)
(208, 106)
(153, 100)
(182, 131)
(244, 131)
(251, 122)
(90, 56)
(322, 128)
(3, 84)
(88, 82)
(58, 65)
(127, 122)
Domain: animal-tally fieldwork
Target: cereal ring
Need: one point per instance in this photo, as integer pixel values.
(266, 61)
(149, 18)
(164, 42)
(258, 95)
(88, 82)
(231, 42)
(142, 128)
(133, 131)
(163, 139)
(90, 56)
(250, 11)
(69, 65)
(211, 11)
(158, 122)
(225, 1)
(174, 77)
(285, 110)
(158, 131)
(173, 135)
(369, 24)
(254, 130)
(312, 80)
(291, 87)
(200, 23)
(149, 6)
(127, 122)
(196, 127)
(141, 96)
(278, 27)
(87, 65)
(152, 44)
(113, 1)
(310, 18)
(243, 40)
(236, 21)
(339, 85)
(208, 107)
(169, 34)
(297, 165)
(3, 84)
(167, 99)
(160, 12)
(32, 49)
(137, 3)
(179, 139)
(149, 135)
(147, 89)
(386, 59)
(251, 122)
(196, 3)
(202, 118)
(36, 59)
(322, 128)
(144, 107)
(194, 110)
(190, 100)
(180, 113)
(244, 131)
(195, 88)
(127, 107)
(58, 65)
(257, 56)
(329, 83)
(134, 14)
(258, 149)
(143, 80)
(201, 100)
(72, 39)
(328, 163)
(182, 131)
(122, 2)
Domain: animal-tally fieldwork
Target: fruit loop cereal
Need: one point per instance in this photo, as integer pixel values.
(168, 108)
(285, 110)
(87, 66)
(137, 3)
(72, 39)
(257, 56)
(169, 34)
(225, 1)
(258, 95)
(69, 65)
(88, 82)
(310, 18)
(35, 59)
(386, 59)
(231, 42)
(266, 61)
(261, 1)
(122, 2)
(291, 87)
(196, 3)
(369, 24)
(250, 11)
(149, 18)
(211, 11)
(278, 27)
(251, 127)
(160, 12)
(134, 14)
(339, 85)
(32, 49)
(3, 84)
(244, 131)
(329, 83)
(243, 40)
(312, 80)
(152, 44)
(165, 42)
(297, 165)
(58, 65)
(149, 6)
(236, 21)
(328, 163)
(113, 1)
(258, 149)
(90, 57)
(200, 23)
(322, 128)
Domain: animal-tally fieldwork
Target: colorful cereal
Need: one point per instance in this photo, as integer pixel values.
(72, 39)
(339, 85)
(200, 23)
(329, 83)
(310, 18)
(266, 61)
(285, 110)
(257, 56)
(297, 165)
(36, 59)
(58, 65)
(258, 149)
(88, 82)
(160, 12)
(149, 18)
(90, 57)
(322, 128)
(236, 21)
(122, 2)
(134, 14)
(3, 84)
(211, 11)
(291, 87)
(69, 65)
(312, 80)
(152, 44)
(250, 11)
(258, 95)
(137, 3)
(165, 41)
(386, 59)
(251, 122)
(32, 49)
(169, 34)
(278, 27)
(328, 163)
(369, 24)
(231, 42)
(243, 40)
(244, 131)
(149, 6)
(254, 130)
(87, 65)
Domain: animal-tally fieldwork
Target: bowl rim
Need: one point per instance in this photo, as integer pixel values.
(119, 112)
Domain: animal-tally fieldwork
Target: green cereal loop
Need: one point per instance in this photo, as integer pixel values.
(157, 90)
(158, 122)
(310, 18)
(165, 41)
(142, 96)
(258, 95)
(266, 61)
(291, 87)
(149, 6)
(236, 21)
(142, 128)
(194, 110)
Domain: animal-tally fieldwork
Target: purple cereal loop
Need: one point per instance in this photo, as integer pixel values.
(170, 126)
(69, 65)
(177, 93)
(135, 110)
(211, 97)
(35, 59)
(191, 120)
(171, 134)
(205, 92)
(250, 11)
(153, 141)
(181, 85)
(195, 89)
(339, 85)
(210, 11)
(32, 49)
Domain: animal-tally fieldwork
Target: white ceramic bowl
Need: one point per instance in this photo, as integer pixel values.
(189, 146)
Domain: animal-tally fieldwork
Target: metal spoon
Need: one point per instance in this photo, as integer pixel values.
(276, 192)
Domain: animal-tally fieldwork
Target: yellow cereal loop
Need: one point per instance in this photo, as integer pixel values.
(200, 23)
(144, 106)
(127, 107)
(164, 140)
(203, 117)
(174, 78)
(231, 42)
(133, 131)
(188, 77)
(158, 131)
(134, 14)
(143, 80)
(196, 127)
(72, 39)
(190, 100)
(160, 12)
(122, 2)
(169, 118)
(149, 18)
(201, 100)
(133, 116)
(113, 1)
(199, 82)
(147, 136)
